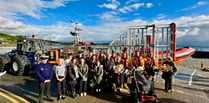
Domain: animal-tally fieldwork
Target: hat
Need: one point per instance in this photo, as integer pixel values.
(44, 56)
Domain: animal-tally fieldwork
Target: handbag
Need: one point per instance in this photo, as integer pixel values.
(92, 83)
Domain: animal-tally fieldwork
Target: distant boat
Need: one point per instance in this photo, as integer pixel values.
(181, 54)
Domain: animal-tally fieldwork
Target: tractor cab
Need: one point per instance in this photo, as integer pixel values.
(30, 45)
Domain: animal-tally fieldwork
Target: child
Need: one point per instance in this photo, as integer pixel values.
(60, 72)
(83, 73)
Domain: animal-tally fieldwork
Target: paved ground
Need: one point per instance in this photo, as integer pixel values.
(23, 89)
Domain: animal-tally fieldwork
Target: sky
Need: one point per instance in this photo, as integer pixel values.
(103, 20)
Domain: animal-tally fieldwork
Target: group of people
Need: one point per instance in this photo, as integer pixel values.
(95, 72)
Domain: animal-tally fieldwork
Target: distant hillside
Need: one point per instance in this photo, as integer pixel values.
(6, 37)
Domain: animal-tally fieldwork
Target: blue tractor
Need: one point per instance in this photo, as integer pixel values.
(23, 58)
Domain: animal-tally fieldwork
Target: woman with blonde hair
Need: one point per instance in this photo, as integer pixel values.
(60, 72)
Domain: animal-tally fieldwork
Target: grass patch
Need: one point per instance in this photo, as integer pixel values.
(6, 37)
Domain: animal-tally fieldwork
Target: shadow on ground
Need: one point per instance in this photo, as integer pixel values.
(167, 100)
(27, 88)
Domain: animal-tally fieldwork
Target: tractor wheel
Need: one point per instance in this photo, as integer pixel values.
(20, 65)
(4, 62)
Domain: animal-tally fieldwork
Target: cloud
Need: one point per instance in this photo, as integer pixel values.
(115, 1)
(200, 3)
(109, 6)
(137, 5)
(130, 8)
(55, 3)
(33, 8)
(149, 5)
(131, 1)
(57, 32)
(190, 30)
(15, 28)
(113, 5)
(161, 16)
(109, 16)
(194, 31)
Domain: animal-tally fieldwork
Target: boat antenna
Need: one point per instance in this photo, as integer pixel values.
(76, 32)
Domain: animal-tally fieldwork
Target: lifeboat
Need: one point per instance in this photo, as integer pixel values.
(181, 54)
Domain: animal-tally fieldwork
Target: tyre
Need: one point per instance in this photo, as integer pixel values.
(5, 61)
(20, 65)
(157, 100)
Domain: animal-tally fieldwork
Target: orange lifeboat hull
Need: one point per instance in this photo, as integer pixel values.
(181, 55)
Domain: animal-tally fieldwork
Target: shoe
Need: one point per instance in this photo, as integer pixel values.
(169, 91)
(49, 99)
(84, 93)
(63, 97)
(81, 94)
(125, 86)
(74, 96)
(113, 86)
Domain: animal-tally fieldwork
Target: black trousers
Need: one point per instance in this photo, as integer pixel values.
(98, 86)
(135, 94)
(42, 86)
(118, 79)
(107, 82)
(61, 90)
(82, 86)
(72, 88)
(168, 83)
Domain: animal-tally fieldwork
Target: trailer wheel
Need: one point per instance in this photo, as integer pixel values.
(4, 62)
(157, 100)
(20, 65)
